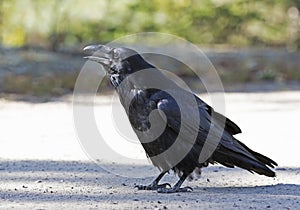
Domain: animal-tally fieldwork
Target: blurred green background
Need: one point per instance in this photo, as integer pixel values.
(247, 40)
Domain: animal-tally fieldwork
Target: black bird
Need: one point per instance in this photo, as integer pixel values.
(178, 130)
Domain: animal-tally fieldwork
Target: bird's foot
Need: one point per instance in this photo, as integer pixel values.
(153, 186)
(174, 190)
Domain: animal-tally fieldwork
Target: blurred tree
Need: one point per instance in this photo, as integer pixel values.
(1, 22)
(235, 22)
(12, 33)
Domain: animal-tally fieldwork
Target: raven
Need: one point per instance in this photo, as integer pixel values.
(177, 130)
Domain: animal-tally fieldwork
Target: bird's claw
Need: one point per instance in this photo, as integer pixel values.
(174, 190)
(153, 187)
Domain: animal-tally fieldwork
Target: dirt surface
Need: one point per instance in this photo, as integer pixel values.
(42, 165)
(83, 185)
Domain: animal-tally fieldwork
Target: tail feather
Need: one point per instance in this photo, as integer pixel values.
(259, 156)
(254, 162)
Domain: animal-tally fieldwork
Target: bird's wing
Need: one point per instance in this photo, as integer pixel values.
(198, 121)
(196, 111)
(221, 123)
(213, 140)
(229, 125)
(186, 116)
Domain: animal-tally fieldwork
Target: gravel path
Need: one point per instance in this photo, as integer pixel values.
(42, 165)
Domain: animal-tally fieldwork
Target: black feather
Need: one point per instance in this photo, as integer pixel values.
(139, 99)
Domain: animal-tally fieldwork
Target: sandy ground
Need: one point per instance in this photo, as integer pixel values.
(43, 166)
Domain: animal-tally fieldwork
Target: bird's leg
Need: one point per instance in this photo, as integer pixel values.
(176, 187)
(154, 185)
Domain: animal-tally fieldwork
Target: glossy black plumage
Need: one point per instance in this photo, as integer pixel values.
(135, 81)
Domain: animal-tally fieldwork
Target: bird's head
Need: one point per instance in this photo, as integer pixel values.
(117, 62)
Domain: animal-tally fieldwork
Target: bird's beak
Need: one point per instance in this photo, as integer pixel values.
(100, 54)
